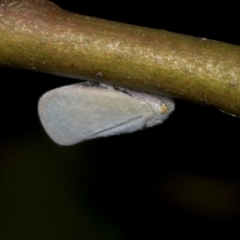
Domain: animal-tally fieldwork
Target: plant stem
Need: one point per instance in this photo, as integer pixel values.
(40, 36)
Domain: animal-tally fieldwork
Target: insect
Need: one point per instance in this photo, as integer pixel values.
(75, 113)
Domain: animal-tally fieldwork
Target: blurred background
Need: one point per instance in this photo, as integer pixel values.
(172, 179)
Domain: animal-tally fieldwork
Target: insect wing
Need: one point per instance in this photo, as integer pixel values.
(75, 113)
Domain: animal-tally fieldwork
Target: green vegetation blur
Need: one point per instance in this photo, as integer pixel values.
(37, 193)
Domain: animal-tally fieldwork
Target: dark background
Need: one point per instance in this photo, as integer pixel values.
(180, 178)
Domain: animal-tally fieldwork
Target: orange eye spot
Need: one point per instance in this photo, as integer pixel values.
(163, 108)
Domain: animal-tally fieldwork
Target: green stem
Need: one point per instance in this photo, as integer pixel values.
(40, 36)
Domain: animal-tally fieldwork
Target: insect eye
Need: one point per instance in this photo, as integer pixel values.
(163, 108)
